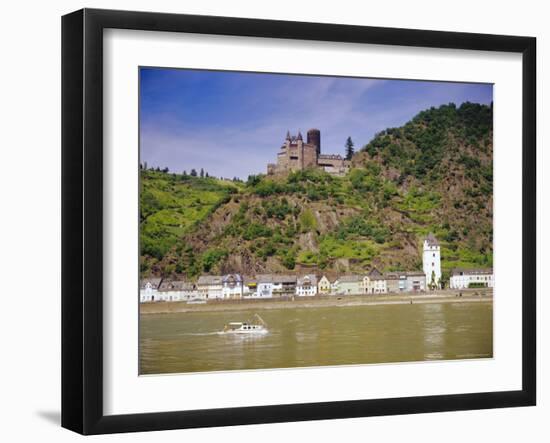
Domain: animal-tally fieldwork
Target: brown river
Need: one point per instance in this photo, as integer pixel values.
(191, 342)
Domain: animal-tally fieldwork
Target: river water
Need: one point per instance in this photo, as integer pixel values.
(191, 342)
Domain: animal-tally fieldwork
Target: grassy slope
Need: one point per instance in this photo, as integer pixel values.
(171, 206)
(433, 174)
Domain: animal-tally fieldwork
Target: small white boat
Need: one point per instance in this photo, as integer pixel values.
(256, 327)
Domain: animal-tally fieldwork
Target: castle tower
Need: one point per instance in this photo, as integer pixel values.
(431, 261)
(300, 150)
(314, 138)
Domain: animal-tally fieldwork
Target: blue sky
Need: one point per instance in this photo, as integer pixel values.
(232, 123)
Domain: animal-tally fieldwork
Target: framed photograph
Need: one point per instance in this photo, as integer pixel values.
(269, 221)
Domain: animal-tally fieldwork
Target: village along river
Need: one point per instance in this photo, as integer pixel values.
(191, 342)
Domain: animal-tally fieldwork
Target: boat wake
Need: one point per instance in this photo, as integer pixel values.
(228, 333)
(244, 334)
(201, 334)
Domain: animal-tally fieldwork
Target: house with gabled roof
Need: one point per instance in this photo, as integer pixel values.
(306, 286)
(176, 290)
(232, 286)
(148, 289)
(324, 286)
(374, 282)
(210, 287)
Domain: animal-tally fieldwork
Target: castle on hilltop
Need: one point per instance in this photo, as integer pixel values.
(296, 155)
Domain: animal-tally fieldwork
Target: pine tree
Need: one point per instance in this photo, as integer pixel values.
(202, 173)
(193, 172)
(349, 149)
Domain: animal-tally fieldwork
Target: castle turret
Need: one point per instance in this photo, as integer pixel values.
(431, 261)
(314, 138)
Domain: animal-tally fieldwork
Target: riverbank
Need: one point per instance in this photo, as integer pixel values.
(447, 296)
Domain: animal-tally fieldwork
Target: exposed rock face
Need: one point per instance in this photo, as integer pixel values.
(308, 242)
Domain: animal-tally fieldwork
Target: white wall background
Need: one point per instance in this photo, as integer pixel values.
(30, 218)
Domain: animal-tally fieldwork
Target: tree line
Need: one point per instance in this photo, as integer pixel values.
(202, 173)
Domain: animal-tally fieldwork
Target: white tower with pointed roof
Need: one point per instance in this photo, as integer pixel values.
(431, 261)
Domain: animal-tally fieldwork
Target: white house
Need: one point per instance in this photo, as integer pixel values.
(232, 286)
(431, 261)
(471, 278)
(170, 290)
(148, 289)
(264, 284)
(306, 285)
(176, 290)
(210, 287)
(374, 283)
(379, 286)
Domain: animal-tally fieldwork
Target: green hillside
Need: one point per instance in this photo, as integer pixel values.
(432, 174)
(172, 205)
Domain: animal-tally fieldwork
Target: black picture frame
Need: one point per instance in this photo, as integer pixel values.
(82, 218)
